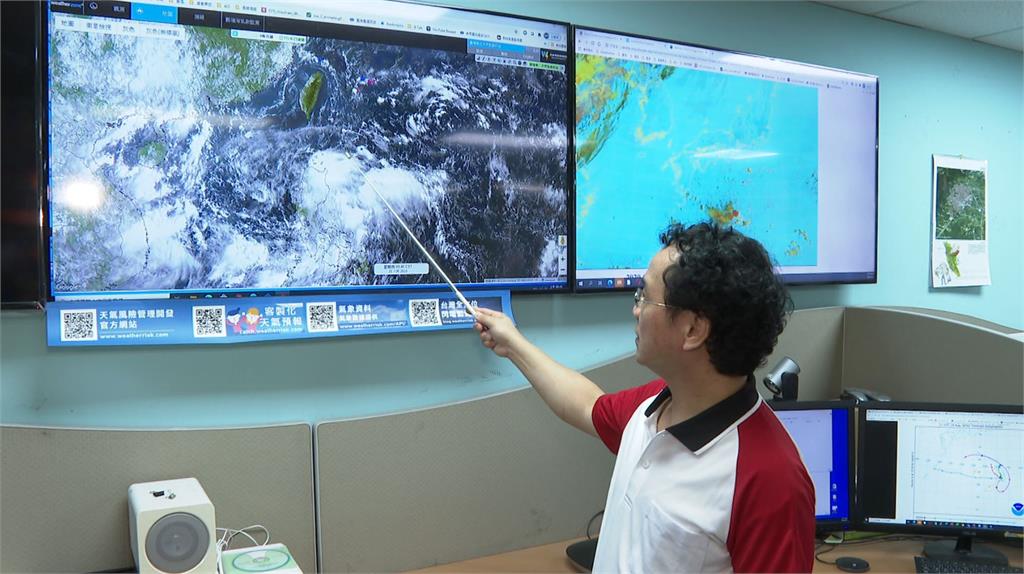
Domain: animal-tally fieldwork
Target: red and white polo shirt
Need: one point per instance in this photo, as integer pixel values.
(723, 491)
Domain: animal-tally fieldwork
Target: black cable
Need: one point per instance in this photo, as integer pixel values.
(817, 554)
(591, 522)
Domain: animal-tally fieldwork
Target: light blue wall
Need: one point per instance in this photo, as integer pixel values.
(939, 94)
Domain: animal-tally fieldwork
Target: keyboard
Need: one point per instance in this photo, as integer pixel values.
(924, 564)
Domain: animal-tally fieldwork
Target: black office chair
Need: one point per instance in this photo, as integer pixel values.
(581, 554)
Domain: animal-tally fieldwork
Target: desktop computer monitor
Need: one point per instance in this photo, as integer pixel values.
(823, 432)
(947, 469)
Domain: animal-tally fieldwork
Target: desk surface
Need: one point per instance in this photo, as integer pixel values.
(882, 555)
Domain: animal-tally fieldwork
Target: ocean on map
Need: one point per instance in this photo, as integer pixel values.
(687, 145)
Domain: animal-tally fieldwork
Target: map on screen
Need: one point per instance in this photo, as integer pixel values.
(668, 132)
(693, 145)
(195, 157)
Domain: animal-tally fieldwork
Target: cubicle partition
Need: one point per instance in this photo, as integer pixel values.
(64, 492)
(906, 353)
(922, 355)
(414, 489)
(440, 485)
(814, 339)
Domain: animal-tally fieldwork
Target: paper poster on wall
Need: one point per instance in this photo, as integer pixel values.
(959, 222)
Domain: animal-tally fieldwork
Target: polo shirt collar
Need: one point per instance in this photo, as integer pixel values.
(697, 432)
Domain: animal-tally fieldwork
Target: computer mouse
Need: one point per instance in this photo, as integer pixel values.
(851, 564)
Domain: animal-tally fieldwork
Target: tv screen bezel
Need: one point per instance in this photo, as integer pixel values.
(45, 235)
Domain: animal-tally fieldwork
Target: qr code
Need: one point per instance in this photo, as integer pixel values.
(78, 325)
(321, 317)
(424, 313)
(209, 321)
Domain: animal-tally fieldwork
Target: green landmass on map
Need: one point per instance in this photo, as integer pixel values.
(952, 258)
(153, 153)
(234, 68)
(310, 93)
(726, 215)
(959, 204)
(603, 88)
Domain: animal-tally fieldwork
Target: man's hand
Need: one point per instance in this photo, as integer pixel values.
(497, 332)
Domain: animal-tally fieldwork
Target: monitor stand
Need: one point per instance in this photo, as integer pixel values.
(963, 549)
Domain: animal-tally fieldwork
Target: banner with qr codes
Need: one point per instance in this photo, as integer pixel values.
(239, 320)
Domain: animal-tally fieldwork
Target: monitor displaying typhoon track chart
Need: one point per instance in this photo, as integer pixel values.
(783, 152)
(248, 147)
(934, 468)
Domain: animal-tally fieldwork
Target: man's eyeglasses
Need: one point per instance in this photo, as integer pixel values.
(639, 299)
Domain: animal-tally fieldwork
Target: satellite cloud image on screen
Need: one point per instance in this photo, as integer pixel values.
(229, 163)
(657, 140)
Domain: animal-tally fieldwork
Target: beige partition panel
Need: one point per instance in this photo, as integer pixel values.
(814, 339)
(446, 484)
(915, 356)
(970, 320)
(64, 492)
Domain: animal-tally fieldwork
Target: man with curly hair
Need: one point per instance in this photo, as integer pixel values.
(706, 478)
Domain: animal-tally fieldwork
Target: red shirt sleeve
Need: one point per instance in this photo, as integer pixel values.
(772, 524)
(612, 411)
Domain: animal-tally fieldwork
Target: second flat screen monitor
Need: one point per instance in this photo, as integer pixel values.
(782, 151)
(823, 432)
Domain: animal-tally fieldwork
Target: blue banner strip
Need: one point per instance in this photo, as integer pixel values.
(242, 320)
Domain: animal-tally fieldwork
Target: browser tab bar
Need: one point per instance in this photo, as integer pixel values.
(289, 26)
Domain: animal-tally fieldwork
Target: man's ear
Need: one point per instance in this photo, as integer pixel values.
(695, 329)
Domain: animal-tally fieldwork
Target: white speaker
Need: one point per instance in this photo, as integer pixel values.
(172, 527)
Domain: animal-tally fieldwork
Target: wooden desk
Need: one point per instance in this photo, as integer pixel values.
(883, 556)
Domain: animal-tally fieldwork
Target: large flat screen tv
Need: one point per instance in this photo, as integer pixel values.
(784, 152)
(21, 273)
(239, 147)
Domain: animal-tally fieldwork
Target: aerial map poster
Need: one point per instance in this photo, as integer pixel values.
(187, 157)
(657, 142)
(959, 222)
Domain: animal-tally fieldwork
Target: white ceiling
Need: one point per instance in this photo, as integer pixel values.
(996, 22)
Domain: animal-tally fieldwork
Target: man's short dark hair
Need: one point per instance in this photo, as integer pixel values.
(729, 279)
